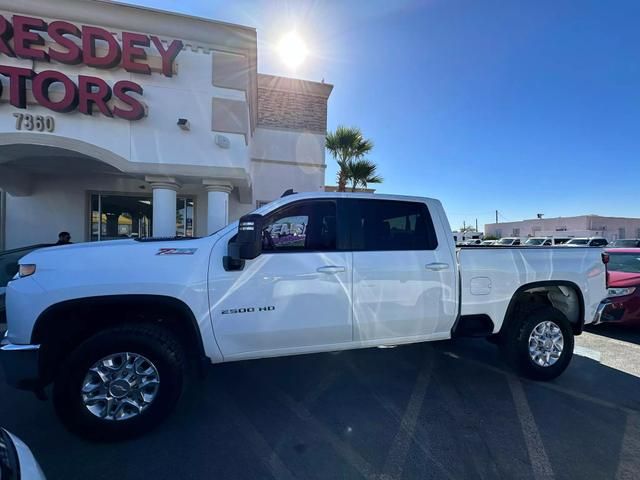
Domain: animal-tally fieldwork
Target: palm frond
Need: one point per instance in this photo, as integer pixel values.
(348, 145)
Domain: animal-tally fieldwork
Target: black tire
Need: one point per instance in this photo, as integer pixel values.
(154, 343)
(515, 345)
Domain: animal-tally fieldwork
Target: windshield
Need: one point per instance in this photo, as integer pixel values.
(578, 241)
(505, 241)
(624, 262)
(535, 241)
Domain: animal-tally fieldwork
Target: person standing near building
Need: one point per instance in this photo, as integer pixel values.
(64, 238)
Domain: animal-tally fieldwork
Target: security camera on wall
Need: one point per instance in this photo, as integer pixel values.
(184, 124)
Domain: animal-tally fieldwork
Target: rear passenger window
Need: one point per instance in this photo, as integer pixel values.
(391, 225)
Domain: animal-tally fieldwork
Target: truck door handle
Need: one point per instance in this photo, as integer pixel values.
(330, 269)
(436, 266)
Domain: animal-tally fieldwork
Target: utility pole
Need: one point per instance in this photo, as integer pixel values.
(476, 225)
(496, 216)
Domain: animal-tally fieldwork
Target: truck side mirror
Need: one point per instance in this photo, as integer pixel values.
(248, 244)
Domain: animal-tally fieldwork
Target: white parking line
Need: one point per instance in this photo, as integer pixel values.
(422, 435)
(629, 460)
(550, 386)
(587, 352)
(394, 464)
(260, 446)
(340, 446)
(537, 454)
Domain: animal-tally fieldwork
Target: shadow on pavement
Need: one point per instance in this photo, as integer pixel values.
(444, 410)
(619, 332)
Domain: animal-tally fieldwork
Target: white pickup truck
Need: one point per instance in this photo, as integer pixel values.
(118, 326)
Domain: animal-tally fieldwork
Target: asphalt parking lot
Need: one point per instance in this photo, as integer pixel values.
(440, 410)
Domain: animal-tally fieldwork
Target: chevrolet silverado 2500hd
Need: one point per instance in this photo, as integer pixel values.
(117, 326)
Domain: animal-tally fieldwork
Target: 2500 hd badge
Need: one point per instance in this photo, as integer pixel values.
(248, 310)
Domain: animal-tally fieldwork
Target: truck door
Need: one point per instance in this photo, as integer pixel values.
(404, 280)
(295, 296)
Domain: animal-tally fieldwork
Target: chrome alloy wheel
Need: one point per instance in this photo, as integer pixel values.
(545, 344)
(120, 386)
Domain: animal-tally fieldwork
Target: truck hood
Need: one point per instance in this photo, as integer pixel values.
(123, 254)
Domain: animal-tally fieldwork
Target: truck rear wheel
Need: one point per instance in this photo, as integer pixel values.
(539, 345)
(120, 383)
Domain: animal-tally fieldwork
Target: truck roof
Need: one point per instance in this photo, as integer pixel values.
(368, 196)
(373, 196)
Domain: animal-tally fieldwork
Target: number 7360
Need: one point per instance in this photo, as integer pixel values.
(39, 123)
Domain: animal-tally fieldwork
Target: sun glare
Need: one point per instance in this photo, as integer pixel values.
(292, 49)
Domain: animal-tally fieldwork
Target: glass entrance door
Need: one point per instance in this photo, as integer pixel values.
(130, 216)
(119, 216)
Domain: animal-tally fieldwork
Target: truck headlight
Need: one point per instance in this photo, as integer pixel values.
(24, 270)
(620, 292)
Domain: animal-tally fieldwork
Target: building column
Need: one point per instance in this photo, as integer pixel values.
(217, 204)
(164, 205)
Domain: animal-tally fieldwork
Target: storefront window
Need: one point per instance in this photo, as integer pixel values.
(184, 217)
(130, 216)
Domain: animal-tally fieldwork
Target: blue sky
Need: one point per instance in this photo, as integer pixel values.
(521, 106)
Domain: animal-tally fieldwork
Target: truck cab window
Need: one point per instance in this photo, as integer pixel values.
(308, 226)
(392, 225)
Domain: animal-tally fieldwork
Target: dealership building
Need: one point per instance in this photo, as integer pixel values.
(120, 121)
(611, 228)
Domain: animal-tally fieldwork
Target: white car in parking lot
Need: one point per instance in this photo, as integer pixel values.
(546, 241)
(508, 242)
(587, 242)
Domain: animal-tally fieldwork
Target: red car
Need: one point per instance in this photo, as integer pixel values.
(623, 286)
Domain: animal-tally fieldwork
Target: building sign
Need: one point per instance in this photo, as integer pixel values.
(91, 46)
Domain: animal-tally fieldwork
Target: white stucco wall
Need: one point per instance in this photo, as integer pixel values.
(155, 139)
(288, 160)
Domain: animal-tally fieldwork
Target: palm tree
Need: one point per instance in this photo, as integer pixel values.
(346, 144)
(362, 172)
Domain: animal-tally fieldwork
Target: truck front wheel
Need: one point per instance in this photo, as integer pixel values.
(539, 344)
(120, 382)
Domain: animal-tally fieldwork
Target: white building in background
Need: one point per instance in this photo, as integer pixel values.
(122, 121)
(610, 228)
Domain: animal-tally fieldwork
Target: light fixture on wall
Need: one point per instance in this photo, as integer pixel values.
(222, 141)
(184, 124)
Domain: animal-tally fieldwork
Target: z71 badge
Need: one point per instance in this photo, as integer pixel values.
(176, 251)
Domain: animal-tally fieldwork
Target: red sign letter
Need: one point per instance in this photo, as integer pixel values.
(168, 55)
(73, 55)
(23, 38)
(17, 84)
(6, 32)
(131, 52)
(89, 37)
(120, 90)
(43, 81)
(89, 96)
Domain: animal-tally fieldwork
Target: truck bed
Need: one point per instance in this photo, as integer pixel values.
(491, 276)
